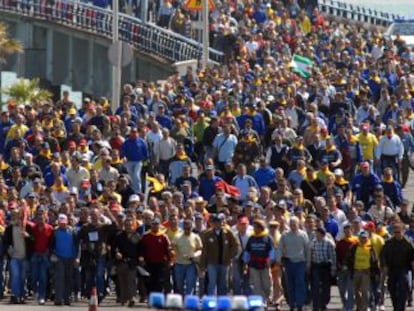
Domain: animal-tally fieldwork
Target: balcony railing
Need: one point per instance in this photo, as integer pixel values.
(356, 13)
(145, 37)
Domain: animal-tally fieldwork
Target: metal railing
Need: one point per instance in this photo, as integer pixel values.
(145, 37)
(356, 13)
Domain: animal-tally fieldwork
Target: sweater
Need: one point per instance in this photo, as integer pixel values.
(135, 150)
(64, 243)
(155, 247)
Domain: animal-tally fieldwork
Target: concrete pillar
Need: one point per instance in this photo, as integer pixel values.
(91, 73)
(133, 69)
(24, 33)
(69, 78)
(49, 54)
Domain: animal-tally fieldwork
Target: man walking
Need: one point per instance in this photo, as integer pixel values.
(323, 266)
(397, 259)
(220, 246)
(135, 150)
(294, 254)
(258, 255)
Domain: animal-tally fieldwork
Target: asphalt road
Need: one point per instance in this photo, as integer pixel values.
(110, 303)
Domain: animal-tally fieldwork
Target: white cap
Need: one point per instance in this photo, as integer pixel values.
(134, 198)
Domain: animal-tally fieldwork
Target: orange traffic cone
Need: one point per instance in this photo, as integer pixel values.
(93, 302)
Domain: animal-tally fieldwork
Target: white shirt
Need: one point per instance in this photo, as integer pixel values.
(390, 147)
(165, 149)
(225, 146)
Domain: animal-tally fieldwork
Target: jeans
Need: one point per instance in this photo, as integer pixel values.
(217, 277)
(185, 278)
(18, 277)
(63, 279)
(346, 289)
(39, 264)
(241, 285)
(134, 171)
(398, 287)
(95, 276)
(296, 283)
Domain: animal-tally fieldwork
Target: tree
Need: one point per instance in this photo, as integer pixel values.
(26, 91)
(8, 45)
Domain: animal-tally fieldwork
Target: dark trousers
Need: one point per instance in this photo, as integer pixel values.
(156, 280)
(63, 280)
(398, 288)
(164, 167)
(320, 285)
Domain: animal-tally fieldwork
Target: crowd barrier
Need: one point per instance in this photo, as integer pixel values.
(145, 37)
(206, 303)
(356, 13)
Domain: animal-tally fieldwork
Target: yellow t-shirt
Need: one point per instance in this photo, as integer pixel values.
(23, 130)
(306, 25)
(186, 246)
(368, 144)
(363, 257)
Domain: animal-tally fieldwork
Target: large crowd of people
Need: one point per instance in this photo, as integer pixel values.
(244, 178)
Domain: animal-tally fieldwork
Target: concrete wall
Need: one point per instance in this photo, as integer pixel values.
(61, 55)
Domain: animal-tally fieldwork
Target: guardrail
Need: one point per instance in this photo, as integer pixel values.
(145, 37)
(356, 13)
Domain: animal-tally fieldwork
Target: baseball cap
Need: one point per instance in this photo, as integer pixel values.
(370, 226)
(62, 219)
(260, 222)
(85, 183)
(156, 221)
(363, 234)
(198, 216)
(339, 172)
(77, 120)
(134, 198)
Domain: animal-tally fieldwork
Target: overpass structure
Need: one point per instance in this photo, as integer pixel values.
(67, 42)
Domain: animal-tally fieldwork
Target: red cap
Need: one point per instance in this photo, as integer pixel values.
(370, 226)
(85, 183)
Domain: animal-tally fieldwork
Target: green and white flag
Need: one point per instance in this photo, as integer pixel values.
(302, 66)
